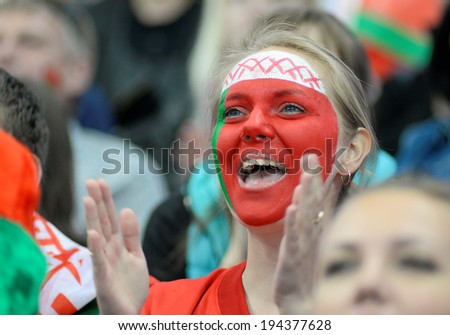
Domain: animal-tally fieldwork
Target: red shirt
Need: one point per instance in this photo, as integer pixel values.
(219, 293)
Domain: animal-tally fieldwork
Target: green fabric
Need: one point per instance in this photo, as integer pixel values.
(413, 49)
(90, 309)
(22, 271)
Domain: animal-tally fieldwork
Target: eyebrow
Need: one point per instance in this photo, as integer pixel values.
(397, 243)
(283, 93)
(404, 242)
(237, 96)
(346, 246)
(32, 35)
(277, 94)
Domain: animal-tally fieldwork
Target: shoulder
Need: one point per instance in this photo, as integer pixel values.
(189, 296)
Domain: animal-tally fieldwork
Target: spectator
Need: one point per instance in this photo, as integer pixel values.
(266, 118)
(62, 292)
(383, 253)
(188, 236)
(23, 265)
(40, 41)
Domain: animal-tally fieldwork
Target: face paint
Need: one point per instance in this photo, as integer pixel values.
(52, 78)
(273, 110)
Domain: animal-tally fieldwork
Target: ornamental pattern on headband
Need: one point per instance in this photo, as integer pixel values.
(275, 65)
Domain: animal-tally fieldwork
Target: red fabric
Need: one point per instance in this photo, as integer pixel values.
(63, 306)
(383, 64)
(220, 293)
(415, 18)
(414, 15)
(19, 196)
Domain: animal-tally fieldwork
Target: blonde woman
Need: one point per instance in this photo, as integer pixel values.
(274, 100)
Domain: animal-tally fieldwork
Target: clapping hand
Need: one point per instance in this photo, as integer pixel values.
(304, 221)
(120, 268)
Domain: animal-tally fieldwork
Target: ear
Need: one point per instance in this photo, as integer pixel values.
(356, 152)
(39, 168)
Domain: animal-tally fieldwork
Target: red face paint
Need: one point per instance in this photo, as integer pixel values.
(52, 78)
(265, 126)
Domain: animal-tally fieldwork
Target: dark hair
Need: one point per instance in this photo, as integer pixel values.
(21, 116)
(57, 181)
(439, 63)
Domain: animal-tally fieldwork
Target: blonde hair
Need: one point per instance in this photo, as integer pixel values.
(432, 187)
(328, 31)
(343, 88)
(210, 43)
(436, 189)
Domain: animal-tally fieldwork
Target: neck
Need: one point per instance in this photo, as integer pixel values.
(263, 249)
(258, 277)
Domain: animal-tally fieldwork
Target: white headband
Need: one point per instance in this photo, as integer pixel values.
(275, 64)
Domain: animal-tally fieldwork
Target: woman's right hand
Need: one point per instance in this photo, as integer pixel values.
(120, 270)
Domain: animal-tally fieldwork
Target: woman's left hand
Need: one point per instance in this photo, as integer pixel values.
(304, 221)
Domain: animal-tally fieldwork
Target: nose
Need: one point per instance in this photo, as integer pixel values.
(257, 128)
(371, 286)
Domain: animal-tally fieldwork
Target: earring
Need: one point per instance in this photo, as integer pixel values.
(346, 179)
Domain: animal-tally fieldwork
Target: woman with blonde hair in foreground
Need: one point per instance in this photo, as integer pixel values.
(284, 108)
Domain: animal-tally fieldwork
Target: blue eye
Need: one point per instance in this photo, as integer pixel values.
(292, 109)
(232, 113)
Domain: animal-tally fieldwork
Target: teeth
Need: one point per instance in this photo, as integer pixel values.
(249, 164)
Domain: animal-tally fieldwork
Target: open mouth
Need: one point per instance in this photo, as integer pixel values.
(260, 172)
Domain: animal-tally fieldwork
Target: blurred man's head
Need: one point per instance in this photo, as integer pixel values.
(42, 41)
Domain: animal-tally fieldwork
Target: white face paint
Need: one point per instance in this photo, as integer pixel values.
(275, 64)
